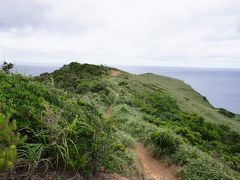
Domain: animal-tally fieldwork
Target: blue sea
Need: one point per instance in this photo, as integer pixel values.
(220, 86)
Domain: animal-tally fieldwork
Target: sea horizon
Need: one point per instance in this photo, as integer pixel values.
(221, 86)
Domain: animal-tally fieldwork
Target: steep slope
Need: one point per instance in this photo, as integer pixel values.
(115, 111)
(191, 101)
(171, 118)
(46, 129)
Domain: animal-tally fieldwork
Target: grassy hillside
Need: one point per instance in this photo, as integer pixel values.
(87, 119)
(191, 101)
(43, 128)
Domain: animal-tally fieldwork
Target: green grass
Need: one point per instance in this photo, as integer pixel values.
(189, 100)
(61, 122)
(149, 104)
(52, 129)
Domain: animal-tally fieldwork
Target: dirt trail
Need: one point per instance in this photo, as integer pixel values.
(152, 169)
(115, 72)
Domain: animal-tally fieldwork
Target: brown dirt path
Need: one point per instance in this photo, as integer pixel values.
(115, 72)
(150, 168)
(153, 169)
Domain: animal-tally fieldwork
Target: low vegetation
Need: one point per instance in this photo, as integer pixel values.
(226, 113)
(43, 128)
(58, 121)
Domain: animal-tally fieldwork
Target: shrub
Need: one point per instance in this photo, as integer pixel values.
(165, 142)
(8, 143)
(64, 130)
(155, 103)
(196, 123)
(198, 165)
(226, 113)
(205, 168)
(77, 78)
(193, 137)
(185, 154)
(6, 67)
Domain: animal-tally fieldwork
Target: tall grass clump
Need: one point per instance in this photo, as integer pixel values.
(196, 165)
(164, 142)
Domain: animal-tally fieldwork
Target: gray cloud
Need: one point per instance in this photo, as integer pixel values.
(15, 14)
(156, 32)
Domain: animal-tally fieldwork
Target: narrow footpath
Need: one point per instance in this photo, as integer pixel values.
(150, 168)
(153, 169)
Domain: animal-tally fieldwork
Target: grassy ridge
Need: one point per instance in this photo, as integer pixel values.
(153, 115)
(46, 128)
(168, 116)
(191, 101)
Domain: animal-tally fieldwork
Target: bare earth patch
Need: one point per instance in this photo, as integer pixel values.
(150, 168)
(153, 169)
(115, 72)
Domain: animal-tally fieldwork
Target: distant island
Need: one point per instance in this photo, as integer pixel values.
(98, 122)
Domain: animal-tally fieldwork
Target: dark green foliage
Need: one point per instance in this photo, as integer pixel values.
(163, 112)
(193, 137)
(78, 78)
(63, 130)
(204, 168)
(205, 99)
(226, 113)
(197, 124)
(199, 165)
(156, 104)
(196, 164)
(216, 139)
(123, 83)
(6, 67)
(165, 142)
(66, 130)
(95, 86)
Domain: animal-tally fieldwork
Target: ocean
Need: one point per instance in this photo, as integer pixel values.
(220, 86)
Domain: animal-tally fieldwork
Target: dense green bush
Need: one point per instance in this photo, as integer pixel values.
(9, 140)
(193, 137)
(226, 113)
(199, 165)
(155, 103)
(165, 142)
(205, 168)
(6, 67)
(67, 128)
(185, 154)
(217, 140)
(77, 78)
(64, 131)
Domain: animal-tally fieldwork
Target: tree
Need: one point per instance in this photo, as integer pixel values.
(6, 67)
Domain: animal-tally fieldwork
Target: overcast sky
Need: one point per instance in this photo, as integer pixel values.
(195, 33)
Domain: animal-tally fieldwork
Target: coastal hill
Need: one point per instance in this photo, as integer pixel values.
(98, 122)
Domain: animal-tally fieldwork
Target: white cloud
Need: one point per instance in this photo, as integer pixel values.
(155, 32)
